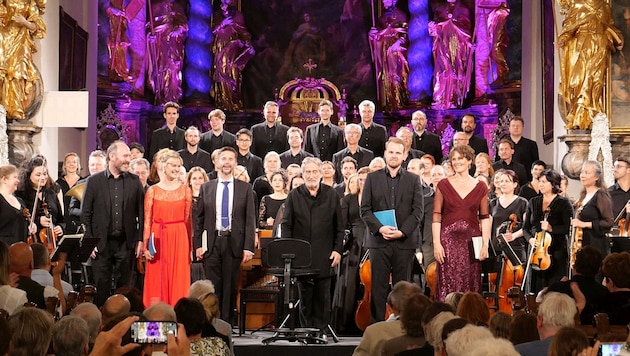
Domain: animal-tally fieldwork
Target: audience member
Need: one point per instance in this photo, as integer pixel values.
(569, 341)
(500, 325)
(523, 328)
(70, 336)
(42, 266)
(459, 342)
(200, 288)
(191, 314)
(115, 306)
(92, 316)
(453, 299)
(31, 332)
(11, 299)
(217, 326)
(473, 308)
(452, 326)
(5, 340)
(410, 318)
(161, 312)
(616, 272)
(433, 330)
(494, 347)
(556, 311)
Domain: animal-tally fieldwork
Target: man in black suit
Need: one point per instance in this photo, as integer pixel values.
(226, 213)
(324, 139)
(192, 155)
(361, 155)
(113, 211)
(391, 247)
(479, 144)
(295, 154)
(424, 140)
(169, 136)
(506, 153)
(525, 150)
(269, 135)
(217, 137)
(245, 157)
(404, 133)
(374, 135)
(313, 213)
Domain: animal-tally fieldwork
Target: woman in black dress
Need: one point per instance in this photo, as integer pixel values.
(503, 207)
(552, 213)
(594, 209)
(13, 218)
(262, 184)
(34, 173)
(271, 203)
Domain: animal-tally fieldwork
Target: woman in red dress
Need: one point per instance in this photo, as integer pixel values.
(167, 207)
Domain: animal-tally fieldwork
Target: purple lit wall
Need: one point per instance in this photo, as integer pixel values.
(419, 54)
(198, 57)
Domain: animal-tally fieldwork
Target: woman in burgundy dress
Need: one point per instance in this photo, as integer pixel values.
(460, 212)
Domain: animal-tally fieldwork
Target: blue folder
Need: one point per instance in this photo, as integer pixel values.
(387, 217)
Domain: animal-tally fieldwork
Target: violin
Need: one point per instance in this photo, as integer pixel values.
(431, 275)
(47, 235)
(576, 240)
(31, 238)
(362, 315)
(141, 262)
(540, 259)
(623, 222)
(512, 276)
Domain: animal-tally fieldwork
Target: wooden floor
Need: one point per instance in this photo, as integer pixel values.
(252, 344)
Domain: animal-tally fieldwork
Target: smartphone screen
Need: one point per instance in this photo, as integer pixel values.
(152, 332)
(611, 348)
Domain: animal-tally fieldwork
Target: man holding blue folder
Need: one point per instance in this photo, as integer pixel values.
(392, 208)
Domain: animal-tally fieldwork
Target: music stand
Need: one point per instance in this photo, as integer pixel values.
(290, 259)
(76, 247)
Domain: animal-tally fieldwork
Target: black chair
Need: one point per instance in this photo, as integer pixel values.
(290, 260)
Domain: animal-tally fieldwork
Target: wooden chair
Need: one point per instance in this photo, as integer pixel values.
(52, 303)
(87, 294)
(72, 301)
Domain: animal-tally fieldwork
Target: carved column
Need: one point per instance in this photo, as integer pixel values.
(578, 142)
(21, 145)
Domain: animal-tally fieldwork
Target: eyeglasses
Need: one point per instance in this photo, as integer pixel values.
(243, 140)
(617, 165)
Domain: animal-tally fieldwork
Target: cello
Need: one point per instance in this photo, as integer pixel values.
(512, 276)
(540, 259)
(362, 315)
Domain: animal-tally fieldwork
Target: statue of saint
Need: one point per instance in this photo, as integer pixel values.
(22, 23)
(388, 43)
(117, 42)
(588, 36)
(232, 49)
(452, 54)
(306, 43)
(491, 66)
(166, 52)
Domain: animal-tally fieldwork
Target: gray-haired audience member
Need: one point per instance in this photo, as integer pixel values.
(92, 316)
(70, 336)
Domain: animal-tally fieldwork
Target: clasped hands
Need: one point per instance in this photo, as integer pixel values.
(390, 233)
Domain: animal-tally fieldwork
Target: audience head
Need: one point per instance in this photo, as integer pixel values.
(191, 313)
(433, 310)
(5, 278)
(453, 299)
(588, 261)
(126, 339)
(523, 328)
(400, 293)
(21, 259)
(433, 330)
(568, 341)
(200, 288)
(5, 340)
(500, 325)
(160, 312)
(411, 314)
(134, 295)
(31, 330)
(92, 316)
(616, 271)
(556, 310)
(70, 336)
(459, 342)
(473, 308)
(114, 306)
(210, 303)
(452, 326)
(494, 347)
(41, 257)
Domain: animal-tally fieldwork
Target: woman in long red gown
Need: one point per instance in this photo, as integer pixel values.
(167, 208)
(460, 212)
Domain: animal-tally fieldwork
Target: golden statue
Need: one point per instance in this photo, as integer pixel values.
(587, 38)
(22, 23)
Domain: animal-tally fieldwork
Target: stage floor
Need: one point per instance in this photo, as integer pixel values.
(249, 344)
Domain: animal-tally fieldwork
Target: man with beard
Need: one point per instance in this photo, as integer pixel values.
(620, 191)
(479, 144)
(424, 140)
(269, 135)
(373, 135)
(192, 155)
(113, 211)
(227, 214)
(313, 213)
(392, 244)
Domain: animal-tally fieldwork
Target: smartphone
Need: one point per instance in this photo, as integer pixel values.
(612, 349)
(152, 332)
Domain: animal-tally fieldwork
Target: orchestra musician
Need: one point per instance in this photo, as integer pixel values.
(558, 211)
(595, 208)
(13, 221)
(620, 191)
(503, 207)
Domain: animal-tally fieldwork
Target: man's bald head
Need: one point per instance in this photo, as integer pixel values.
(21, 259)
(114, 306)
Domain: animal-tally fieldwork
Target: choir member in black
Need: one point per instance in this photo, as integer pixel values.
(345, 297)
(594, 208)
(620, 191)
(269, 135)
(506, 153)
(270, 204)
(531, 189)
(245, 157)
(195, 178)
(71, 168)
(525, 150)
(313, 213)
(34, 173)
(373, 135)
(503, 207)
(261, 184)
(558, 212)
(295, 154)
(13, 222)
(424, 140)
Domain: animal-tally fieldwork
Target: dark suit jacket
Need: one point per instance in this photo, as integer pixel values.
(253, 164)
(363, 157)
(429, 143)
(243, 217)
(374, 138)
(335, 142)
(227, 139)
(479, 144)
(409, 207)
(413, 153)
(96, 208)
(261, 143)
(160, 138)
